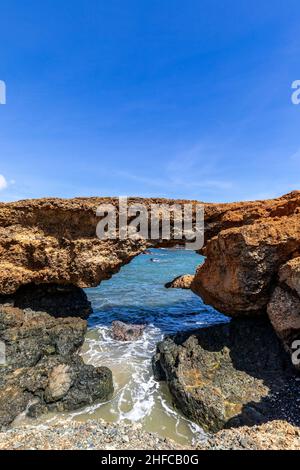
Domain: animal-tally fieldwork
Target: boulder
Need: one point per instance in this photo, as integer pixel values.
(42, 370)
(241, 267)
(126, 332)
(226, 375)
(56, 383)
(181, 282)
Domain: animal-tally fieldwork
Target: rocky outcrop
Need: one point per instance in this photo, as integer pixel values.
(284, 308)
(241, 269)
(254, 268)
(181, 282)
(42, 369)
(229, 375)
(275, 435)
(53, 241)
(121, 331)
(252, 251)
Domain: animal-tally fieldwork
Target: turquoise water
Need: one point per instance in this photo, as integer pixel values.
(137, 295)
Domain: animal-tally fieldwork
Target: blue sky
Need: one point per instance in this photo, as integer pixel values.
(149, 98)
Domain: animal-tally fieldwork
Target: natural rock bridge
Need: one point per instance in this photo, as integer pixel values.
(252, 269)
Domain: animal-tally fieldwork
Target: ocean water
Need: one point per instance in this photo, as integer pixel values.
(137, 295)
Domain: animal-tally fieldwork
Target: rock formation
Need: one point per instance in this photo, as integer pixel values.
(121, 331)
(228, 375)
(181, 282)
(42, 370)
(49, 248)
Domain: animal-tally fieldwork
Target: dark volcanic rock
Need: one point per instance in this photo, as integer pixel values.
(56, 383)
(42, 370)
(126, 332)
(226, 375)
(30, 335)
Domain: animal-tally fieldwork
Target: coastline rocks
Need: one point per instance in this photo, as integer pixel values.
(284, 309)
(181, 282)
(242, 265)
(43, 371)
(246, 245)
(275, 435)
(54, 241)
(90, 435)
(56, 383)
(226, 375)
(121, 331)
(29, 335)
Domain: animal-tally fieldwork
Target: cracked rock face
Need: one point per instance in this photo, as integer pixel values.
(228, 375)
(42, 370)
(284, 308)
(54, 241)
(242, 263)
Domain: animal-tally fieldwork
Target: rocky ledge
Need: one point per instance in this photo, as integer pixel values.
(42, 370)
(230, 375)
(181, 282)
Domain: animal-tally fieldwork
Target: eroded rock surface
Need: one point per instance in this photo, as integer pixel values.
(43, 371)
(126, 332)
(181, 282)
(48, 241)
(229, 375)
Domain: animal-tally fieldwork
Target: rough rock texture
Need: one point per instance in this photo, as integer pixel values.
(30, 335)
(48, 241)
(99, 435)
(242, 264)
(284, 308)
(181, 282)
(126, 332)
(56, 383)
(43, 371)
(275, 435)
(229, 375)
(91, 435)
(54, 241)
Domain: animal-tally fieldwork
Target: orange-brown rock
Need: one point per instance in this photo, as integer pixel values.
(54, 241)
(181, 282)
(241, 269)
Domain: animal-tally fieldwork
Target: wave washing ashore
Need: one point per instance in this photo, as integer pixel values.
(137, 295)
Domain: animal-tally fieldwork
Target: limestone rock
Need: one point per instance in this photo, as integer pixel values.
(53, 241)
(181, 282)
(242, 265)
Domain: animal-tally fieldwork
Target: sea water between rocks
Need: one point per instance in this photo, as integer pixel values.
(137, 295)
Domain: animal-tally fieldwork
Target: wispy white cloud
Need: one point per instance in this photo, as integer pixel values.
(3, 183)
